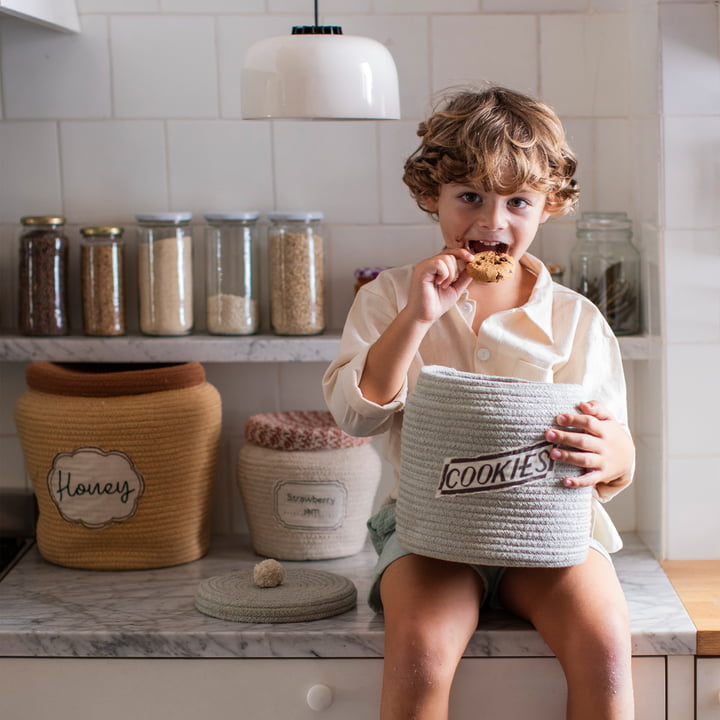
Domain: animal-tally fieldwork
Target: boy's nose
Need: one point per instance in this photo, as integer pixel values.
(491, 216)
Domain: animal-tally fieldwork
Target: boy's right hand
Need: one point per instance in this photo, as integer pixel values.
(437, 283)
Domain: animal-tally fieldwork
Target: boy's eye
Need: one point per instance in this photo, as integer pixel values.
(470, 197)
(518, 202)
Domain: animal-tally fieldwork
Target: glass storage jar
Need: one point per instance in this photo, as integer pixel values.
(231, 288)
(297, 284)
(43, 282)
(165, 273)
(102, 264)
(605, 267)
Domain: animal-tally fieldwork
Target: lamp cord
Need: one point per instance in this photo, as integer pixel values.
(316, 13)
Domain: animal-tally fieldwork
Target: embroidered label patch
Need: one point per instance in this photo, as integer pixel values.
(311, 505)
(95, 487)
(497, 471)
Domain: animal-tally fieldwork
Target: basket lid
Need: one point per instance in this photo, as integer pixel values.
(111, 379)
(302, 595)
(299, 430)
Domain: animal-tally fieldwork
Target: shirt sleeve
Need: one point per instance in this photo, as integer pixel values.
(596, 364)
(372, 311)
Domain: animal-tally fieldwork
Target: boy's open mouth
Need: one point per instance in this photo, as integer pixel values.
(476, 246)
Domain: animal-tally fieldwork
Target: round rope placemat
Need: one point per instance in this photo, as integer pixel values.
(303, 595)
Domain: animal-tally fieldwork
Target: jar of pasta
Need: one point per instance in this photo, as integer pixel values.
(231, 300)
(297, 284)
(102, 265)
(165, 273)
(43, 282)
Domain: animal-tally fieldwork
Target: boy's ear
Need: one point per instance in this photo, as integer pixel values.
(429, 203)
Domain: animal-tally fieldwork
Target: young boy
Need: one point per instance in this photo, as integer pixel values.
(491, 167)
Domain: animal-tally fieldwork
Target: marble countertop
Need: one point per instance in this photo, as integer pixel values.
(50, 611)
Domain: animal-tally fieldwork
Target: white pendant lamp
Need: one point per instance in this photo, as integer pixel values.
(320, 74)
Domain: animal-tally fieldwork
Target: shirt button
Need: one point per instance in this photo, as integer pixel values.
(467, 307)
(483, 354)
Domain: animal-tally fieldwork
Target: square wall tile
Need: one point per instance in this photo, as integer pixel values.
(430, 6)
(301, 386)
(691, 172)
(113, 170)
(533, 6)
(398, 140)
(219, 165)
(691, 59)
(174, 56)
(692, 503)
(692, 393)
(471, 50)
(328, 10)
(118, 6)
(613, 159)
(692, 288)
(13, 476)
(30, 162)
(584, 61)
(56, 75)
(208, 7)
(12, 386)
(329, 166)
(353, 246)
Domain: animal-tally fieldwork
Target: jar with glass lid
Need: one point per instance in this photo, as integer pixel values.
(43, 276)
(605, 267)
(297, 283)
(165, 273)
(102, 265)
(231, 301)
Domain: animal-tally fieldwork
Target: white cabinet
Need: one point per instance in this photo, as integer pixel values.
(55, 14)
(275, 689)
(708, 688)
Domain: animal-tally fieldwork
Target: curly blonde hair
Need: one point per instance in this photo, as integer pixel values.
(495, 138)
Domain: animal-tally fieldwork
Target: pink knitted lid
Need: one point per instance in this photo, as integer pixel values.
(299, 430)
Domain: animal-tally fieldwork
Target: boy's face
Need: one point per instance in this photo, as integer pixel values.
(478, 220)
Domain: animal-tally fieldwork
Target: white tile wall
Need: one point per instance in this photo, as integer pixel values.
(141, 111)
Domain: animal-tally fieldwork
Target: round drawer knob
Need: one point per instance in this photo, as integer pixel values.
(319, 697)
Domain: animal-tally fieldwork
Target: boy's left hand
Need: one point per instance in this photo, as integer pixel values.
(604, 448)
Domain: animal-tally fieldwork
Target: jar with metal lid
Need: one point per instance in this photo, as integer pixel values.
(297, 283)
(43, 284)
(165, 273)
(102, 265)
(231, 288)
(605, 267)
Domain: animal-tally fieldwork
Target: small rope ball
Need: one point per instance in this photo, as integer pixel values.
(268, 574)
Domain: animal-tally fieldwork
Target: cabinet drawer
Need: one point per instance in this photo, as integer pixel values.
(279, 689)
(708, 688)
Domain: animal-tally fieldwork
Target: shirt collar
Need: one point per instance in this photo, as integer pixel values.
(538, 308)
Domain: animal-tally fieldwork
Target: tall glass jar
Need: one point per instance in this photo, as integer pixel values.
(297, 284)
(605, 267)
(102, 265)
(43, 284)
(165, 273)
(231, 288)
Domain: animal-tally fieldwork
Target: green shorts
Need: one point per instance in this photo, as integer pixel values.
(381, 527)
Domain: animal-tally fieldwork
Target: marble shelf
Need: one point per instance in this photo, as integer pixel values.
(51, 611)
(206, 348)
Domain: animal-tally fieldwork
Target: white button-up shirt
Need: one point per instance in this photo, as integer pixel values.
(557, 336)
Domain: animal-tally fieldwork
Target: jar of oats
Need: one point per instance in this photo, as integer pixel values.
(297, 283)
(43, 281)
(102, 265)
(231, 301)
(165, 273)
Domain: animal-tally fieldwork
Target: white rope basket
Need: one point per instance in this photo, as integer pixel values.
(477, 483)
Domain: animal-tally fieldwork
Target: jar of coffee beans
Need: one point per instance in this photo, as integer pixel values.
(165, 273)
(231, 297)
(297, 283)
(43, 284)
(605, 267)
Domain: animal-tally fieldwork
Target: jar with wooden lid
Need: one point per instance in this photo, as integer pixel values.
(231, 301)
(297, 283)
(165, 273)
(43, 281)
(102, 265)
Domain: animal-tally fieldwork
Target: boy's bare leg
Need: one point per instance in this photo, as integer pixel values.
(582, 615)
(431, 610)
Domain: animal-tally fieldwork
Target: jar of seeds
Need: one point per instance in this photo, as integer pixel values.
(605, 267)
(231, 298)
(102, 265)
(43, 283)
(296, 273)
(165, 273)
